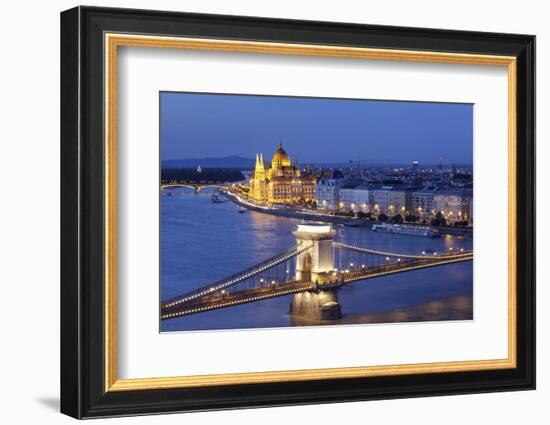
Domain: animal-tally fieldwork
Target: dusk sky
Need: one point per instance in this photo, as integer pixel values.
(315, 130)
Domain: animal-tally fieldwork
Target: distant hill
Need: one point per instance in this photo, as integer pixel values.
(225, 162)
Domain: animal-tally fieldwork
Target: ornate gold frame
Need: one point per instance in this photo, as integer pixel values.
(113, 41)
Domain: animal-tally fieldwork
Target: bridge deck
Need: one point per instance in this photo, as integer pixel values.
(330, 281)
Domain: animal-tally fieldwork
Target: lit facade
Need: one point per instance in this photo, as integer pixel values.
(327, 194)
(355, 199)
(454, 206)
(391, 202)
(399, 202)
(423, 204)
(282, 182)
(380, 201)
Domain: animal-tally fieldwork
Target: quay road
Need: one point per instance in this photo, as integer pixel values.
(235, 196)
(328, 281)
(291, 212)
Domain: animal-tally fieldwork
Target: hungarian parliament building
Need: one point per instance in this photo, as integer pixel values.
(282, 182)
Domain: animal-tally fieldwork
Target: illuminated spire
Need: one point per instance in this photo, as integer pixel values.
(259, 172)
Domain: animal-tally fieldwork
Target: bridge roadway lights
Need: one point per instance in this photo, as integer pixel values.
(316, 305)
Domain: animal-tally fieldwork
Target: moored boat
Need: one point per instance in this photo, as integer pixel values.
(411, 230)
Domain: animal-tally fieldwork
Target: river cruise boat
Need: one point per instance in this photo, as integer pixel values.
(411, 230)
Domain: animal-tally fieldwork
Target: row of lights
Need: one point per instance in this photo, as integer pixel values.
(227, 304)
(371, 251)
(450, 250)
(342, 245)
(235, 280)
(383, 273)
(363, 266)
(273, 282)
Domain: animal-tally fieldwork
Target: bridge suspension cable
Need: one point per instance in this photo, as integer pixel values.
(240, 276)
(393, 254)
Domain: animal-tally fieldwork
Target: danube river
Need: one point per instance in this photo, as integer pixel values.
(202, 242)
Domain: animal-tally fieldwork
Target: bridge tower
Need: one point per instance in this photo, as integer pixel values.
(318, 304)
(318, 259)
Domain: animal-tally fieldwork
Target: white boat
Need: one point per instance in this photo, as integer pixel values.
(411, 230)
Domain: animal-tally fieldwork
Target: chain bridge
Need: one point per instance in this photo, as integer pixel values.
(313, 270)
(197, 187)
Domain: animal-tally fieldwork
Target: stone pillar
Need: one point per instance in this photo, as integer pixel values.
(304, 265)
(317, 304)
(318, 259)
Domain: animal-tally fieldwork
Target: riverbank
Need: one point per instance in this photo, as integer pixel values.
(346, 221)
(292, 213)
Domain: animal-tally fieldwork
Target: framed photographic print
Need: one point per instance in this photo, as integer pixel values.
(261, 212)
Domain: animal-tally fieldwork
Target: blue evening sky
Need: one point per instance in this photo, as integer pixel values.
(315, 130)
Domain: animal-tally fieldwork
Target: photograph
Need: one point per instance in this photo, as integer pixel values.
(285, 211)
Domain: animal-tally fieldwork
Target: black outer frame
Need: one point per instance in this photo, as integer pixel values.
(82, 212)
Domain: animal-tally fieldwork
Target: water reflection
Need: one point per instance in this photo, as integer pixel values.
(453, 308)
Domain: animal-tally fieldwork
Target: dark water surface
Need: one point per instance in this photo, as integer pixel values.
(202, 242)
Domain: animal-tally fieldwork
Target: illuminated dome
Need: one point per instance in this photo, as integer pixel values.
(280, 158)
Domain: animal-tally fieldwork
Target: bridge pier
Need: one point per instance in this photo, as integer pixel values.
(315, 304)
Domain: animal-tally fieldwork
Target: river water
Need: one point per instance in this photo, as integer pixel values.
(202, 242)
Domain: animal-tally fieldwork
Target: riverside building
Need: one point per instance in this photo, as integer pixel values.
(282, 182)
